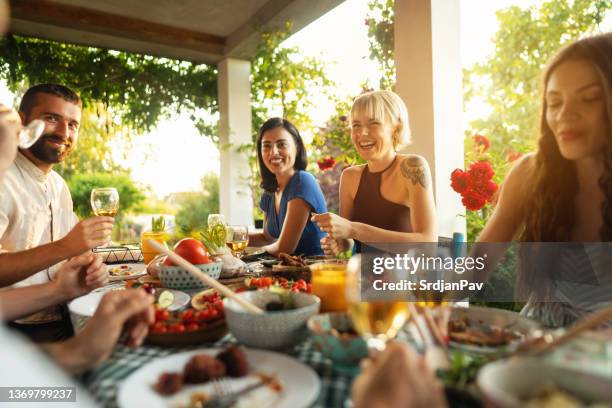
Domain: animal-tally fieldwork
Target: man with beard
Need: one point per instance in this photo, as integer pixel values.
(36, 215)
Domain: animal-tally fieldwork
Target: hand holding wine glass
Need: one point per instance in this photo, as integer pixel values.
(105, 201)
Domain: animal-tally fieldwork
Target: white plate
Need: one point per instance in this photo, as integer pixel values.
(301, 385)
(126, 271)
(181, 299)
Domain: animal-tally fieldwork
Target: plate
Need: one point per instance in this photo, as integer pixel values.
(301, 385)
(498, 317)
(181, 299)
(126, 271)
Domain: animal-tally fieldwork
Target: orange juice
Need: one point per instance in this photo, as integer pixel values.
(329, 284)
(148, 252)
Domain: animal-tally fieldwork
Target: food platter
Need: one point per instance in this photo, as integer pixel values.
(488, 330)
(300, 384)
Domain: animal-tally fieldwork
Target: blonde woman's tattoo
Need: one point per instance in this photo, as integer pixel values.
(412, 168)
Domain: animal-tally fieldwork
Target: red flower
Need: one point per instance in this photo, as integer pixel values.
(481, 142)
(460, 180)
(326, 163)
(472, 200)
(481, 171)
(485, 189)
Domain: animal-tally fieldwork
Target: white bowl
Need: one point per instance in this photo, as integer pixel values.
(271, 330)
(83, 308)
(175, 277)
(506, 383)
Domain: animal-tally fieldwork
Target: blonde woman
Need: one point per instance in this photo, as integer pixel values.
(388, 199)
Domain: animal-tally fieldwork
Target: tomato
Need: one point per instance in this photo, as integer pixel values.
(192, 327)
(162, 315)
(192, 250)
(187, 316)
(159, 327)
(213, 314)
(177, 328)
(201, 315)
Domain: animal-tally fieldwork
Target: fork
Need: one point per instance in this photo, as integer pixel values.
(224, 397)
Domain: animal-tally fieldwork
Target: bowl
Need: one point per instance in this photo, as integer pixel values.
(329, 335)
(507, 383)
(175, 277)
(270, 330)
(83, 308)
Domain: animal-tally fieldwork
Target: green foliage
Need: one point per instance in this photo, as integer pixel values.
(96, 148)
(281, 79)
(195, 207)
(380, 24)
(130, 196)
(140, 89)
(509, 80)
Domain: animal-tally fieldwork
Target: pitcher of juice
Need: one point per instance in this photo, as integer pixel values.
(329, 284)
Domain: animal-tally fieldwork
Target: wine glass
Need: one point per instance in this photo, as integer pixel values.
(377, 321)
(105, 201)
(31, 133)
(214, 219)
(237, 238)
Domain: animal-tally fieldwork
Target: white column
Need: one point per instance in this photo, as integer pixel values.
(234, 131)
(428, 63)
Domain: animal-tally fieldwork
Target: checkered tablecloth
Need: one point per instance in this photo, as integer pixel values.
(103, 382)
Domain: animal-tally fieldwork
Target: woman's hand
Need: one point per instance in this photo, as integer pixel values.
(334, 225)
(398, 377)
(330, 246)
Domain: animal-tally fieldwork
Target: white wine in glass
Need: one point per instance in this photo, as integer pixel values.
(378, 321)
(105, 201)
(237, 238)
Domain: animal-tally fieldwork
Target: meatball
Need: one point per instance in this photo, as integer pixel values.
(202, 368)
(169, 383)
(235, 361)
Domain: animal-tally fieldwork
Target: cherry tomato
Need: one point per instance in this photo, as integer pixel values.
(213, 314)
(159, 327)
(187, 316)
(177, 328)
(192, 327)
(162, 315)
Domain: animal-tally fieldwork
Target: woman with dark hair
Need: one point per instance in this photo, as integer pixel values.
(563, 192)
(290, 193)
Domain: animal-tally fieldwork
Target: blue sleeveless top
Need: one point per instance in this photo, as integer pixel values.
(302, 185)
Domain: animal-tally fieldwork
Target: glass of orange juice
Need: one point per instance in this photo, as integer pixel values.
(148, 252)
(329, 284)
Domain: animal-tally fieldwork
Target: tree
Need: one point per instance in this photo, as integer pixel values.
(195, 207)
(509, 80)
(96, 148)
(139, 89)
(281, 78)
(80, 185)
(380, 22)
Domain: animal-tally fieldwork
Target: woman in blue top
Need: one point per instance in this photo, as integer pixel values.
(290, 195)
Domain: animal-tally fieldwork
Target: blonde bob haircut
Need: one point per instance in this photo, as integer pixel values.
(385, 106)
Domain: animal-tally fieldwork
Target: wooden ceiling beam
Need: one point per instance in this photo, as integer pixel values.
(81, 18)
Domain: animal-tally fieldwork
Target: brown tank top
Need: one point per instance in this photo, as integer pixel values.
(371, 208)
